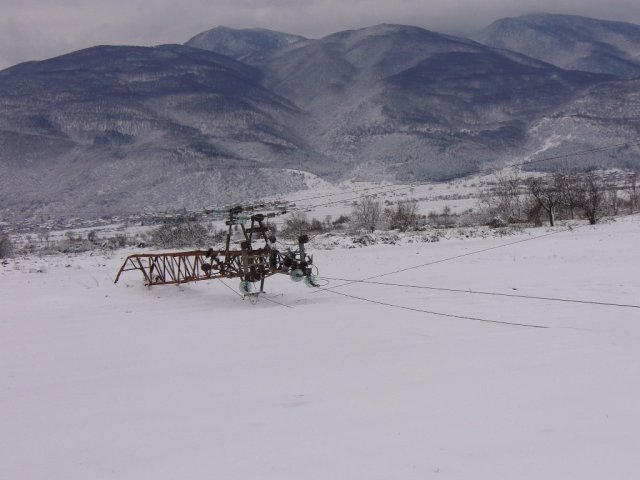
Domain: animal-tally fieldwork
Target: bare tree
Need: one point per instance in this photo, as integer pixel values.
(533, 211)
(44, 235)
(504, 200)
(568, 184)
(634, 192)
(546, 195)
(366, 214)
(316, 225)
(593, 191)
(404, 216)
(295, 225)
(613, 200)
(447, 216)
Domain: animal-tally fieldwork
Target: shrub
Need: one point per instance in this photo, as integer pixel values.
(297, 224)
(404, 216)
(340, 221)
(6, 247)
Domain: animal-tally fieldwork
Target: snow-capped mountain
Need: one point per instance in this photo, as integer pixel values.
(408, 103)
(250, 44)
(570, 42)
(114, 129)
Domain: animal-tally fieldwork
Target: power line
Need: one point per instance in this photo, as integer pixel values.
(383, 189)
(273, 301)
(575, 154)
(263, 296)
(477, 292)
(388, 190)
(230, 288)
(420, 310)
(455, 257)
(392, 188)
(343, 193)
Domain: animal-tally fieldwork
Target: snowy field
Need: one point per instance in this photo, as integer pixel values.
(104, 381)
(323, 198)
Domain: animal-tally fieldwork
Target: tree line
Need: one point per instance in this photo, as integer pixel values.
(562, 195)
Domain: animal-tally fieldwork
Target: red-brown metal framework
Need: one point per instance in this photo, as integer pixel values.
(168, 268)
(248, 263)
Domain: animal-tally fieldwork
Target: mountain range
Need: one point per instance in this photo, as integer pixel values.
(233, 115)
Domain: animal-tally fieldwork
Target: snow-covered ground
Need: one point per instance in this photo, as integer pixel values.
(326, 199)
(191, 382)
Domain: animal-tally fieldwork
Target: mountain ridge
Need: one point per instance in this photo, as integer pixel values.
(569, 41)
(243, 44)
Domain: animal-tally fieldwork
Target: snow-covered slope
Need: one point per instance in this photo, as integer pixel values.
(570, 42)
(398, 101)
(249, 44)
(114, 129)
(123, 382)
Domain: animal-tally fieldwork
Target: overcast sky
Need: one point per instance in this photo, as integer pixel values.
(39, 29)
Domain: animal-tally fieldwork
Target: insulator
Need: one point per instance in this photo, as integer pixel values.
(296, 275)
(246, 287)
(311, 281)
